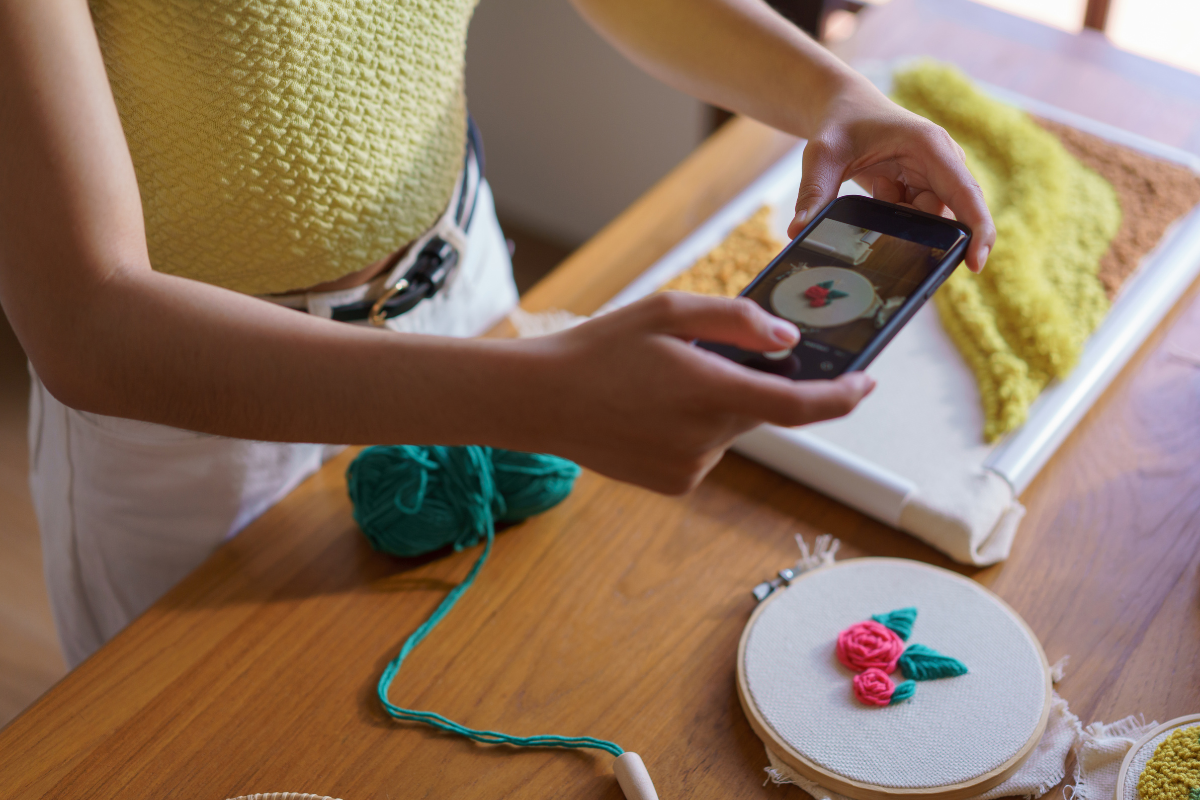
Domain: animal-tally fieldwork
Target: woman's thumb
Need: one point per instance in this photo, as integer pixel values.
(741, 322)
(819, 184)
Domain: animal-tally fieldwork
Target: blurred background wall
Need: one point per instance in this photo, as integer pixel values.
(573, 132)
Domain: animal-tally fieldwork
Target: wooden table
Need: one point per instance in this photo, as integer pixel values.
(617, 614)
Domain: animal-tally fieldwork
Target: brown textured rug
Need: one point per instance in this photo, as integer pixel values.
(1152, 194)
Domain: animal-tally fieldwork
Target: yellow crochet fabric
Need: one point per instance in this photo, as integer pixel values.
(1173, 772)
(283, 143)
(733, 263)
(1025, 319)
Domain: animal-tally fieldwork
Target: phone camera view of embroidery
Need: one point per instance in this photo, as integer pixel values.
(843, 285)
(849, 284)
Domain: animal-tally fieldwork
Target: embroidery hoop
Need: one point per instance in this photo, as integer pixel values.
(1036, 673)
(1135, 760)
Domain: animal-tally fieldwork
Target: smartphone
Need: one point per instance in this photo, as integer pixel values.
(850, 281)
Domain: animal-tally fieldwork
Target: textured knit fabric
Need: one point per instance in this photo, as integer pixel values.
(1173, 771)
(283, 143)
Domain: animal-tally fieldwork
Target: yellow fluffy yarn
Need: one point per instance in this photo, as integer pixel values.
(1173, 772)
(283, 143)
(732, 264)
(1024, 320)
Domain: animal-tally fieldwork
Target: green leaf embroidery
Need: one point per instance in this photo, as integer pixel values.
(923, 663)
(901, 621)
(903, 691)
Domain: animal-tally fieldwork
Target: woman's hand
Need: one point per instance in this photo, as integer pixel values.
(898, 156)
(628, 396)
(744, 56)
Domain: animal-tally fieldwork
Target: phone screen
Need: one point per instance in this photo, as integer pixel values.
(845, 280)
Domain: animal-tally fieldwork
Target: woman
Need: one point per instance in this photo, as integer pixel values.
(197, 196)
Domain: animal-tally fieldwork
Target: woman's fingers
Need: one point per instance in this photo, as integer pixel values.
(906, 158)
(788, 403)
(723, 386)
(741, 323)
(936, 182)
(659, 412)
(930, 203)
(824, 170)
(887, 190)
(951, 181)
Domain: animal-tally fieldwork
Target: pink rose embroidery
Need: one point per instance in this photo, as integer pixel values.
(873, 687)
(869, 645)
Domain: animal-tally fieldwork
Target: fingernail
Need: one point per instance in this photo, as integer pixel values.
(784, 332)
(983, 254)
(800, 218)
(863, 382)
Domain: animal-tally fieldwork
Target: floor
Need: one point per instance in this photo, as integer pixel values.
(30, 659)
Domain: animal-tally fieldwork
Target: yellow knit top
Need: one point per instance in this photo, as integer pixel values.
(283, 143)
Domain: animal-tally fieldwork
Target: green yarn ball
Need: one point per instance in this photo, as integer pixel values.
(410, 500)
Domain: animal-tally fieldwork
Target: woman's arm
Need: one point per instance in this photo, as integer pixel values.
(742, 55)
(625, 395)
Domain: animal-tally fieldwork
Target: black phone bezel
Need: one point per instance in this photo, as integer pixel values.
(874, 215)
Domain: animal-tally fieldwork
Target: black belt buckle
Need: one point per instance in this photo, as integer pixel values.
(425, 278)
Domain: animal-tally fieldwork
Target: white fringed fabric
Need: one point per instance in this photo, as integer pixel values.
(1098, 755)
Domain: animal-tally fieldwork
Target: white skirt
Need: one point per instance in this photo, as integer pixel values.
(127, 508)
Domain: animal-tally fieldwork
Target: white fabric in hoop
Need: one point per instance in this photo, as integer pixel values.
(952, 731)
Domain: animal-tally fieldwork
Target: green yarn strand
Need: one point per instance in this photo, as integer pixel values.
(450, 726)
(412, 500)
